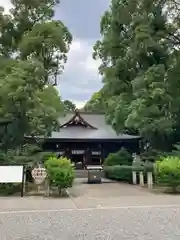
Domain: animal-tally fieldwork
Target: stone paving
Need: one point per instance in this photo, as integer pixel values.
(108, 211)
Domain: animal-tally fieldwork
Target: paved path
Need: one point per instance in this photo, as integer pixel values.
(90, 216)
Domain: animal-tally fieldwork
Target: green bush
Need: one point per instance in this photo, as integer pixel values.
(167, 172)
(9, 188)
(119, 173)
(60, 172)
(122, 157)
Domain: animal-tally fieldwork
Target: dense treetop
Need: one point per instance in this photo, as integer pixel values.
(139, 51)
(33, 51)
(96, 103)
(69, 106)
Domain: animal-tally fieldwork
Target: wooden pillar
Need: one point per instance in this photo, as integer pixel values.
(68, 153)
(88, 156)
(84, 161)
(101, 155)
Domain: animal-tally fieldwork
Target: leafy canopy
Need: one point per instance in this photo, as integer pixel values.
(140, 56)
(69, 106)
(33, 50)
(97, 103)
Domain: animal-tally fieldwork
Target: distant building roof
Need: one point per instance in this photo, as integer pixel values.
(90, 126)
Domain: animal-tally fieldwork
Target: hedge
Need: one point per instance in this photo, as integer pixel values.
(9, 188)
(124, 173)
(122, 157)
(120, 173)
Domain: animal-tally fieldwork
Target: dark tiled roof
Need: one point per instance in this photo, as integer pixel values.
(102, 131)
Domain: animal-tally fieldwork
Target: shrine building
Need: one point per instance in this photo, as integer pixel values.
(86, 138)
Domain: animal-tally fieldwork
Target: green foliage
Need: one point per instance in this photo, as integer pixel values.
(148, 167)
(151, 155)
(24, 102)
(69, 106)
(122, 157)
(31, 32)
(33, 51)
(140, 55)
(9, 188)
(167, 172)
(138, 166)
(119, 173)
(176, 151)
(29, 154)
(97, 103)
(60, 172)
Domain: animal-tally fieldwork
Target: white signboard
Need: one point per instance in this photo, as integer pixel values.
(96, 153)
(77, 152)
(11, 174)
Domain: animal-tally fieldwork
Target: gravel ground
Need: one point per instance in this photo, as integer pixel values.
(136, 223)
(108, 211)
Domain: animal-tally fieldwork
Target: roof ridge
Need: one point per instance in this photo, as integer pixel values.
(85, 112)
(92, 113)
(76, 118)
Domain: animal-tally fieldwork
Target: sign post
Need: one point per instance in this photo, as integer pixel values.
(23, 182)
(13, 174)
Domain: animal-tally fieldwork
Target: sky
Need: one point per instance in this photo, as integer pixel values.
(80, 78)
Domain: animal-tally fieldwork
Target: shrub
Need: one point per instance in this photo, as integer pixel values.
(167, 172)
(119, 173)
(60, 172)
(9, 188)
(122, 157)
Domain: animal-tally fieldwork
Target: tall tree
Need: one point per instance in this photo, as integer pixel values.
(140, 57)
(33, 50)
(69, 106)
(97, 103)
(30, 32)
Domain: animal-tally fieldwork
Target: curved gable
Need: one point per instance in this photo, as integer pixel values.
(77, 120)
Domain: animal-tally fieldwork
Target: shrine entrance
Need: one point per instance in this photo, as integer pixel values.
(96, 160)
(81, 157)
(96, 157)
(78, 158)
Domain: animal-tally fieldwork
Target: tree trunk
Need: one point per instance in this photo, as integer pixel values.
(60, 191)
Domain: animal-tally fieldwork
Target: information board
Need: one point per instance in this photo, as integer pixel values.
(11, 174)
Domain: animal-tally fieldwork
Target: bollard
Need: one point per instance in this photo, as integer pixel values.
(47, 188)
(134, 175)
(149, 180)
(141, 179)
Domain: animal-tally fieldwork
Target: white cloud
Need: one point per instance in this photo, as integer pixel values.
(79, 104)
(80, 56)
(6, 4)
(80, 78)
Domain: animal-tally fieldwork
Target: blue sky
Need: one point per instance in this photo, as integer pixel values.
(80, 78)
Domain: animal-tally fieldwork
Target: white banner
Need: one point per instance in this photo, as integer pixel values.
(11, 174)
(78, 152)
